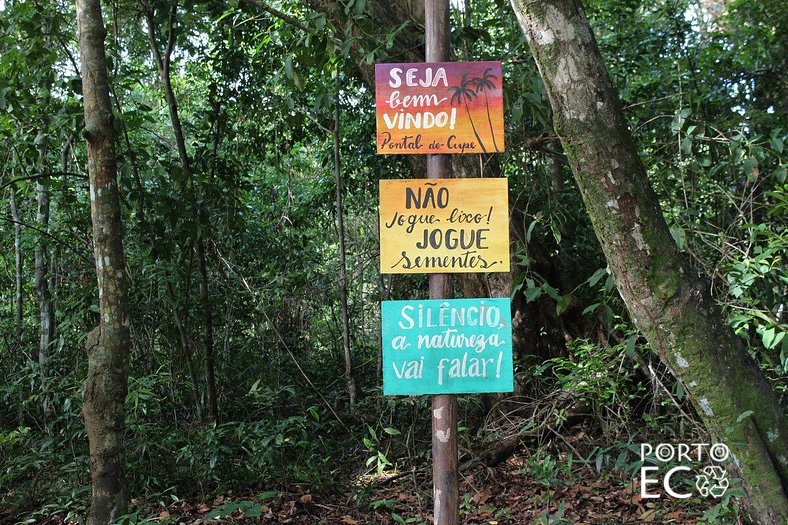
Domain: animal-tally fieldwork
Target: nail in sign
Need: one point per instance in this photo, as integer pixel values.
(444, 226)
(442, 107)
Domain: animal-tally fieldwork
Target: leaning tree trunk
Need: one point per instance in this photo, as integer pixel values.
(163, 62)
(109, 344)
(668, 302)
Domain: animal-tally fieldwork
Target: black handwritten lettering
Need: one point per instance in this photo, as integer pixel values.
(462, 146)
(426, 197)
(453, 239)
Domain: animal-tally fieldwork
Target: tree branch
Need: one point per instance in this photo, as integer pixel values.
(47, 234)
(288, 19)
(170, 37)
(43, 176)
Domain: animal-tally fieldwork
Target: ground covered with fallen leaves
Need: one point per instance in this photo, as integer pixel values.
(525, 489)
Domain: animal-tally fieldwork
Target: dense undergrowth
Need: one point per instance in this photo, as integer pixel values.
(581, 421)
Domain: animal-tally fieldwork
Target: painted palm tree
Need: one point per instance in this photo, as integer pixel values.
(464, 93)
(484, 84)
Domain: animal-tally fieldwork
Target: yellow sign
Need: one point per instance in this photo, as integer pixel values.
(444, 226)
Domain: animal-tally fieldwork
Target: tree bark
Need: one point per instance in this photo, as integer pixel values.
(207, 349)
(669, 303)
(109, 344)
(45, 310)
(163, 66)
(19, 296)
(178, 317)
(46, 330)
(350, 381)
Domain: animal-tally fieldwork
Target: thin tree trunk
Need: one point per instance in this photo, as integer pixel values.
(45, 311)
(53, 334)
(18, 298)
(350, 381)
(41, 275)
(53, 253)
(178, 317)
(207, 350)
(163, 65)
(667, 301)
(109, 344)
(135, 171)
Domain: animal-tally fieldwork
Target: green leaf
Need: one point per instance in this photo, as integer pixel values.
(768, 337)
(269, 494)
(391, 431)
(679, 236)
(224, 15)
(610, 283)
(777, 144)
(517, 112)
(562, 304)
(251, 509)
(678, 120)
(532, 294)
(749, 166)
(597, 276)
(591, 308)
(223, 511)
(744, 415)
(686, 145)
(299, 80)
(630, 347)
(530, 230)
(552, 292)
(289, 67)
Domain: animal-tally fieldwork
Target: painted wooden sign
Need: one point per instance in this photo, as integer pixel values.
(442, 107)
(447, 346)
(444, 226)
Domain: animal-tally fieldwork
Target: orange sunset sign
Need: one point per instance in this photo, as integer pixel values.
(442, 107)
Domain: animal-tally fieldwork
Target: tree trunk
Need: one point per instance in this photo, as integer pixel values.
(668, 302)
(109, 344)
(163, 65)
(350, 381)
(18, 297)
(207, 349)
(178, 317)
(45, 310)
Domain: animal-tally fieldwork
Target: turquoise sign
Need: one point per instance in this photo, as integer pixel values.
(447, 346)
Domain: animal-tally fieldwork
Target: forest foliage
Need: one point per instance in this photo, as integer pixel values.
(703, 87)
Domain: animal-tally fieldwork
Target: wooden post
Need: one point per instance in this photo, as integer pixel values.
(444, 407)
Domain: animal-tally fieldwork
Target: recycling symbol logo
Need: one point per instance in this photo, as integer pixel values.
(713, 480)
